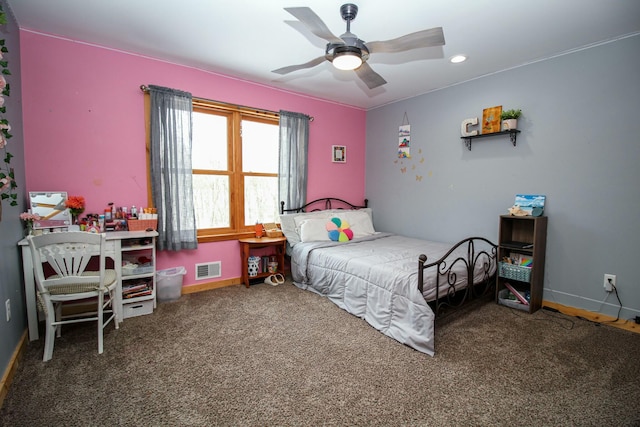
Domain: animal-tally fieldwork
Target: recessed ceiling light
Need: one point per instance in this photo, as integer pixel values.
(458, 58)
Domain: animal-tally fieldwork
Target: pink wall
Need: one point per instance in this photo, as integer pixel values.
(84, 130)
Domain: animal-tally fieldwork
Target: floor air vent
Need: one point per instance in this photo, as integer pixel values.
(208, 270)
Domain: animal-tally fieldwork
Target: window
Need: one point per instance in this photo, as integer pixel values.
(235, 169)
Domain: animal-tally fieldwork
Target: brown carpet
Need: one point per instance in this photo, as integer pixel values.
(268, 356)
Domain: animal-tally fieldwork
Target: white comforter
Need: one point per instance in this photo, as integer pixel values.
(375, 278)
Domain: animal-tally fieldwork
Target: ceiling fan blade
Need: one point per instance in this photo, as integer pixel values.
(314, 23)
(424, 38)
(310, 64)
(369, 77)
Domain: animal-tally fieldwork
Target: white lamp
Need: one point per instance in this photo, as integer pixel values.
(347, 58)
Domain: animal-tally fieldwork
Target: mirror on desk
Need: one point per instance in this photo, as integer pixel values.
(50, 205)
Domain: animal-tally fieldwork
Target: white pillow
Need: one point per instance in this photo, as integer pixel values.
(359, 222)
(289, 229)
(361, 218)
(290, 223)
(314, 230)
(314, 215)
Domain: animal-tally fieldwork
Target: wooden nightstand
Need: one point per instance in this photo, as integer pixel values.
(246, 245)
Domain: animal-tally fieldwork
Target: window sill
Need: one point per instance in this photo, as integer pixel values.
(224, 237)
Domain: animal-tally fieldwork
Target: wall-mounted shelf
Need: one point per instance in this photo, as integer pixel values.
(512, 134)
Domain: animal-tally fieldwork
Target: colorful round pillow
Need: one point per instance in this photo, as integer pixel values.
(339, 230)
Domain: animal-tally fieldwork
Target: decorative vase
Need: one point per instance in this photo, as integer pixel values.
(253, 265)
(74, 226)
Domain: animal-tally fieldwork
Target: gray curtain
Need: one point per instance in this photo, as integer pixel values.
(292, 172)
(171, 179)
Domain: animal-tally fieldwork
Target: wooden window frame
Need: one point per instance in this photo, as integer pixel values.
(235, 116)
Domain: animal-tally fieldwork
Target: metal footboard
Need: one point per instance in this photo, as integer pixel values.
(479, 252)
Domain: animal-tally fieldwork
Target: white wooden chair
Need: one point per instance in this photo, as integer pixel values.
(69, 279)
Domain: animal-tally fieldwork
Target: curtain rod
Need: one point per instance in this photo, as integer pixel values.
(145, 89)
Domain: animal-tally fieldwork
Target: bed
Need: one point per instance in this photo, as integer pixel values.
(398, 284)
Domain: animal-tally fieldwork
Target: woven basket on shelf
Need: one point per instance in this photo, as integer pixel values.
(272, 230)
(142, 224)
(274, 233)
(515, 272)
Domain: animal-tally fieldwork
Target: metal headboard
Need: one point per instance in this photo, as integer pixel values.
(327, 202)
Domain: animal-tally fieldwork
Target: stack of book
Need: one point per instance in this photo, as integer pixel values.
(264, 262)
(136, 289)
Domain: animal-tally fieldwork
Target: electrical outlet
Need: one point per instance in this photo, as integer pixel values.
(7, 305)
(609, 282)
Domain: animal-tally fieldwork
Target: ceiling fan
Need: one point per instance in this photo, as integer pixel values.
(348, 52)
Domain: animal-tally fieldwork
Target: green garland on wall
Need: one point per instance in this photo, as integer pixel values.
(8, 184)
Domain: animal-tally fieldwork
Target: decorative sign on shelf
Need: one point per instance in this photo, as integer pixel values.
(464, 127)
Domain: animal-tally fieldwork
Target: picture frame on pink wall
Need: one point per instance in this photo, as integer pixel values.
(339, 154)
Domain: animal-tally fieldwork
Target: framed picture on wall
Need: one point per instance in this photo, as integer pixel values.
(491, 119)
(338, 154)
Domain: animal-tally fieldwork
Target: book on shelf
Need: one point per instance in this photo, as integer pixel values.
(519, 259)
(135, 288)
(517, 294)
(518, 245)
(526, 261)
(138, 294)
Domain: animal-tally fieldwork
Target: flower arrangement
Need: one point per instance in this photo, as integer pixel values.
(28, 219)
(75, 205)
(7, 177)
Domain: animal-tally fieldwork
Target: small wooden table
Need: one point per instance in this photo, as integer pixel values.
(246, 245)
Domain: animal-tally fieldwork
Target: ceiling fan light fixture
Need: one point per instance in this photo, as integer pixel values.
(348, 52)
(347, 58)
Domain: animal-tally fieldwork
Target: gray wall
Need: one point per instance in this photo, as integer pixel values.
(579, 145)
(10, 225)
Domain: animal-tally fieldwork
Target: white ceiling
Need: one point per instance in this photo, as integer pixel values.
(249, 38)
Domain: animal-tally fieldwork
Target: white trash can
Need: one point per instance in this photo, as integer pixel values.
(169, 283)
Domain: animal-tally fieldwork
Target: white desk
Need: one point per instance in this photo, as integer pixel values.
(113, 251)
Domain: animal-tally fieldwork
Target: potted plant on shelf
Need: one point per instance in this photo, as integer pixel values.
(510, 119)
